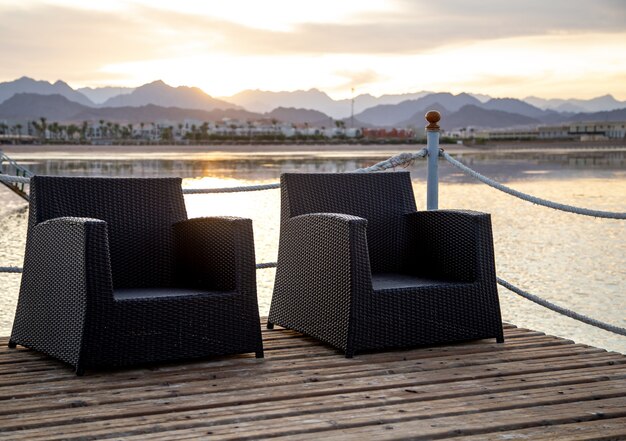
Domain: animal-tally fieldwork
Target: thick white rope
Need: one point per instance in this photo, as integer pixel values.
(529, 198)
(231, 189)
(566, 312)
(14, 179)
(394, 161)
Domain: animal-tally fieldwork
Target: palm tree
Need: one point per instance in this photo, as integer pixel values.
(72, 130)
(54, 130)
(249, 124)
(18, 127)
(41, 128)
(83, 130)
(204, 130)
(102, 129)
(274, 123)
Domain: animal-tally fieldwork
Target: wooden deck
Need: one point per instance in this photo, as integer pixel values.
(531, 387)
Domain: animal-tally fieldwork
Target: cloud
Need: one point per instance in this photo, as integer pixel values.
(357, 79)
(369, 48)
(412, 26)
(59, 42)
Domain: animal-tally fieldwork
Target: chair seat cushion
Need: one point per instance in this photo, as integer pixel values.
(385, 281)
(151, 293)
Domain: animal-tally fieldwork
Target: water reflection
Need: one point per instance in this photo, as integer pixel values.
(503, 166)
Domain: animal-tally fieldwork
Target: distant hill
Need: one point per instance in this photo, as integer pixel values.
(314, 99)
(160, 94)
(512, 105)
(28, 85)
(418, 120)
(300, 116)
(26, 106)
(478, 117)
(100, 94)
(611, 115)
(458, 111)
(31, 106)
(153, 113)
(392, 115)
(598, 104)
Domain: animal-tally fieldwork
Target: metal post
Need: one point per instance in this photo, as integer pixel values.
(432, 144)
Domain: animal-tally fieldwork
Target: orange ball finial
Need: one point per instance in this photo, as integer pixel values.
(433, 117)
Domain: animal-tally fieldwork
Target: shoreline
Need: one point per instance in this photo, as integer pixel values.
(208, 151)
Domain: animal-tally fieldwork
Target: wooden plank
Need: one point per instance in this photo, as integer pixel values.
(341, 409)
(346, 369)
(60, 370)
(305, 390)
(419, 425)
(447, 361)
(454, 426)
(612, 429)
(86, 409)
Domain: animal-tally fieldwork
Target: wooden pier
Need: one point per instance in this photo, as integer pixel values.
(533, 386)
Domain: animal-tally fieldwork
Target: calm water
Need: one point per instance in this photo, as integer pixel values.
(575, 261)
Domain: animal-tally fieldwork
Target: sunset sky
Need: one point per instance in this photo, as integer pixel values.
(514, 48)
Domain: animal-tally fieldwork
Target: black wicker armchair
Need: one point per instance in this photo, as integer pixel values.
(361, 269)
(115, 274)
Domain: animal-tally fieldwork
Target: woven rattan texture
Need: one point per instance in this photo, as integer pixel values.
(327, 261)
(67, 306)
(139, 214)
(389, 196)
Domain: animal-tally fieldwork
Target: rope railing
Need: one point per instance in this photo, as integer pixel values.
(561, 310)
(9, 179)
(401, 160)
(535, 200)
(232, 189)
(395, 161)
(10, 269)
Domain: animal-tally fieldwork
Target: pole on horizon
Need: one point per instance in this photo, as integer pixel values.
(432, 145)
(352, 110)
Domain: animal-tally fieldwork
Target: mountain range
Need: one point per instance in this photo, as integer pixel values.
(27, 99)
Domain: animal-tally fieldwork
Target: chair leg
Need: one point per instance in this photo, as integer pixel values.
(270, 325)
(350, 353)
(80, 371)
(259, 354)
(500, 338)
(12, 344)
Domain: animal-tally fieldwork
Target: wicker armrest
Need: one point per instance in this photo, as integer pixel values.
(323, 264)
(71, 245)
(61, 254)
(325, 249)
(450, 244)
(215, 253)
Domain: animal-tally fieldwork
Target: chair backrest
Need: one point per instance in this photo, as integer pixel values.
(139, 213)
(381, 198)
